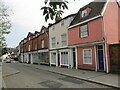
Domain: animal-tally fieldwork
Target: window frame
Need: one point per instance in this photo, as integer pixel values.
(84, 31)
(84, 13)
(62, 23)
(42, 43)
(84, 55)
(65, 41)
(52, 42)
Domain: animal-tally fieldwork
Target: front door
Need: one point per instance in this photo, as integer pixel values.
(74, 58)
(101, 58)
(58, 59)
(29, 58)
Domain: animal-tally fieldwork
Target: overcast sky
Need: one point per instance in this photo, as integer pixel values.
(27, 17)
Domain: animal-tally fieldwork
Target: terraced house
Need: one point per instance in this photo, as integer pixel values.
(34, 48)
(58, 42)
(93, 29)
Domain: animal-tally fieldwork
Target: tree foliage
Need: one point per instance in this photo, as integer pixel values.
(53, 9)
(5, 24)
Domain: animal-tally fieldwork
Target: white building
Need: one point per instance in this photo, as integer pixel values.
(58, 42)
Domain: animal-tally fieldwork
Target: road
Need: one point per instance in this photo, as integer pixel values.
(17, 75)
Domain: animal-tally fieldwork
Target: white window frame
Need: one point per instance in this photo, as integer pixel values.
(28, 47)
(53, 27)
(71, 19)
(63, 58)
(84, 57)
(43, 42)
(53, 44)
(53, 62)
(84, 13)
(62, 23)
(42, 31)
(64, 41)
(29, 38)
(83, 31)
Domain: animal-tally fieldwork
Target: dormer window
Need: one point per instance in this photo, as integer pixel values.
(84, 13)
(36, 35)
(42, 31)
(71, 19)
(29, 38)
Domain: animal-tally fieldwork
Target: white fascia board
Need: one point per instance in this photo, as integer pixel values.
(85, 21)
(87, 44)
(102, 13)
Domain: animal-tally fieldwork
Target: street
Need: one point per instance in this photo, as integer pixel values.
(17, 75)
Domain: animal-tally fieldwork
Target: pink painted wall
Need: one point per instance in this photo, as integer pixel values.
(94, 29)
(80, 58)
(111, 23)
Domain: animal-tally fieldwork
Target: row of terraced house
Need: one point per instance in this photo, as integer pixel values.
(79, 40)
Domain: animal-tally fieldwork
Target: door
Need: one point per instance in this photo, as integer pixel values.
(58, 59)
(74, 58)
(100, 58)
(29, 58)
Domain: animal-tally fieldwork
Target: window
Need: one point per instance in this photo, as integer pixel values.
(84, 31)
(29, 38)
(53, 42)
(36, 35)
(87, 56)
(53, 58)
(84, 13)
(42, 31)
(62, 23)
(71, 19)
(53, 27)
(118, 2)
(29, 48)
(42, 43)
(63, 40)
(35, 46)
(64, 58)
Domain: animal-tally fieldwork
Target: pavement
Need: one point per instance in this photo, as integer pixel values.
(102, 78)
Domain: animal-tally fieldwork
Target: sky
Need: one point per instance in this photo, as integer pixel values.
(26, 16)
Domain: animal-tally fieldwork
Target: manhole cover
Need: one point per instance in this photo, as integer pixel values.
(51, 84)
(72, 80)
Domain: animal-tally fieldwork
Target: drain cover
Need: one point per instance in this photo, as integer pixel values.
(51, 84)
(72, 80)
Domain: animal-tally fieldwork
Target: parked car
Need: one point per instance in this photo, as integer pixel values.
(8, 61)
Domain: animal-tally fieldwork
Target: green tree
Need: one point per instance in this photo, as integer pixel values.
(53, 9)
(5, 24)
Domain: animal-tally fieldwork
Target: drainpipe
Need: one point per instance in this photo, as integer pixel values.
(106, 53)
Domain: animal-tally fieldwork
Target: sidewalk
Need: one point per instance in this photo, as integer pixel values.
(92, 76)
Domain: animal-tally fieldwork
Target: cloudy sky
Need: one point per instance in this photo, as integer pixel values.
(27, 17)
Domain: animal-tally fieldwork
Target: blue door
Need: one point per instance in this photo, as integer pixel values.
(100, 59)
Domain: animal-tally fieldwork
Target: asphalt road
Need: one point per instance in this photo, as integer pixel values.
(17, 75)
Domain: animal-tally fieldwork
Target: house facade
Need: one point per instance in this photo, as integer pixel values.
(34, 48)
(91, 32)
(58, 42)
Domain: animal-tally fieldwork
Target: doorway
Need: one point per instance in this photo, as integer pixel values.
(74, 57)
(101, 57)
(29, 61)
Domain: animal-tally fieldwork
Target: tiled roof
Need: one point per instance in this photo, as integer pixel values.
(96, 9)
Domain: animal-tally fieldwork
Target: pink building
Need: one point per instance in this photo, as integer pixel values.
(91, 32)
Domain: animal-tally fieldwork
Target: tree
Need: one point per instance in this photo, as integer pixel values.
(53, 9)
(5, 24)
